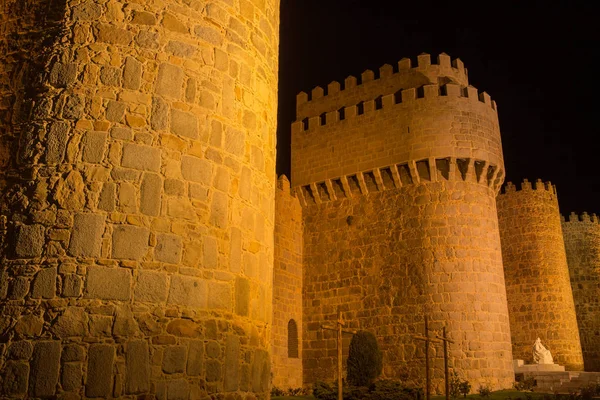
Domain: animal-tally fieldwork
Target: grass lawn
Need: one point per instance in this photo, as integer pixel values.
(498, 395)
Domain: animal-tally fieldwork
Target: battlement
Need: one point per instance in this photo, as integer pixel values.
(388, 79)
(405, 66)
(397, 176)
(384, 102)
(583, 218)
(528, 186)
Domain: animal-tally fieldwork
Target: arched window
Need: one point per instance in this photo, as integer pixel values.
(292, 339)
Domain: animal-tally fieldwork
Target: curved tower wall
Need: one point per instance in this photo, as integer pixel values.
(137, 175)
(400, 222)
(582, 245)
(540, 299)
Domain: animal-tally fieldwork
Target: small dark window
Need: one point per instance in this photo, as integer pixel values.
(292, 339)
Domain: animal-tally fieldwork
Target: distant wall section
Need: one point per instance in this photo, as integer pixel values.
(287, 289)
(582, 245)
(540, 299)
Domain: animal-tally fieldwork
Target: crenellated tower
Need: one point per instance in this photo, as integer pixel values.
(397, 175)
(540, 299)
(137, 181)
(582, 244)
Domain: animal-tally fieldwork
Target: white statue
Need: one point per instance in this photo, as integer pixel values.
(541, 355)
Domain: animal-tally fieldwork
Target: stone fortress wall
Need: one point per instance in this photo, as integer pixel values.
(287, 289)
(400, 220)
(538, 287)
(137, 175)
(582, 244)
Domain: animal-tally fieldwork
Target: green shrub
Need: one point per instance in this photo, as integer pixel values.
(380, 390)
(464, 388)
(526, 384)
(276, 392)
(485, 390)
(458, 386)
(365, 361)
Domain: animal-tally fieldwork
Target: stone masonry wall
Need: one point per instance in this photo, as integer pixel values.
(582, 245)
(389, 258)
(137, 175)
(287, 287)
(540, 299)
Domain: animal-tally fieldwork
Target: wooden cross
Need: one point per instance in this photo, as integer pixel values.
(428, 339)
(340, 331)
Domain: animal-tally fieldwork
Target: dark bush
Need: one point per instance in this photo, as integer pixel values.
(380, 390)
(365, 361)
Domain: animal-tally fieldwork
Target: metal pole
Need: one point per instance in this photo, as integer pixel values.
(427, 377)
(339, 349)
(446, 372)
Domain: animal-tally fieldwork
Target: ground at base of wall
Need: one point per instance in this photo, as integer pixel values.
(498, 395)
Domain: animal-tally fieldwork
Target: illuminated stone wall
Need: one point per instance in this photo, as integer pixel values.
(582, 245)
(398, 193)
(540, 299)
(137, 174)
(287, 289)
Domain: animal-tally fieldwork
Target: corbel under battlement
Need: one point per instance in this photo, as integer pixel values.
(406, 97)
(396, 176)
(369, 77)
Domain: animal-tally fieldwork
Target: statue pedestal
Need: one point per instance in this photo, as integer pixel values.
(521, 367)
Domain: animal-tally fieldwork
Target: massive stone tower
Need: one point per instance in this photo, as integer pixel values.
(398, 176)
(582, 245)
(137, 175)
(540, 300)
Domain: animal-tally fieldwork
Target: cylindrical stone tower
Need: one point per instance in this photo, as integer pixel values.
(137, 174)
(540, 300)
(398, 178)
(582, 244)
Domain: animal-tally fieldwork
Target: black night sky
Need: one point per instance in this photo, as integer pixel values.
(536, 59)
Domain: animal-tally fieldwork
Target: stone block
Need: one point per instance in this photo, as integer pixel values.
(219, 295)
(86, 239)
(44, 284)
(72, 352)
(100, 325)
(72, 323)
(56, 144)
(140, 157)
(108, 283)
(235, 141)
(88, 11)
(261, 371)
(213, 371)
(184, 328)
(168, 248)
(107, 202)
(213, 349)
(71, 285)
(196, 170)
(178, 389)
(71, 377)
(169, 81)
(209, 34)
(143, 18)
(62, 75)
(111, 34)
(174, 359)
(232, 363)
(100, 370)
(219, 210)
(70, 192)
(159, 119)
(195, 357)
(137, 364)
(150, 194)
(20, 350)
(3, 285)
(132, 73)
(29, 326)
(187, 291)
(110, 76)
(94, 146)
(130, 242)
(125, 324)
(115, 111)
(184, 124)
(14, 382)
(242, 296)
(151, 287)
(45, 364)
(30, 241)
